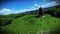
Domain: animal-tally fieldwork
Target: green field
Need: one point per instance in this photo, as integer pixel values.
(30, 24)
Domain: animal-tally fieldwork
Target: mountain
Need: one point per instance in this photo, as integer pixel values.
(36, 11)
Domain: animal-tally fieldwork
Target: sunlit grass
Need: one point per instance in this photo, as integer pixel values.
(32, 23)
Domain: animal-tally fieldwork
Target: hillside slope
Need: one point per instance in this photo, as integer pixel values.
(31, 24)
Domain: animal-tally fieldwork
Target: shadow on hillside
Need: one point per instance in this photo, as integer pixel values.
(57, 16)
(6, 32)
(5, 23)
(53, 14)
(56, 31)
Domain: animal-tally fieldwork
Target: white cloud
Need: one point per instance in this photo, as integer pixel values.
(13, 9)
(35, 4)
(34, 7)
(54, 3)
(50, 4)
(16, 11)
(5, 11)
(39, 6)
(25, 10)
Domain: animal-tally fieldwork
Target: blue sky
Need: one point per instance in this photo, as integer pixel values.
(22, 4)
(19, 6)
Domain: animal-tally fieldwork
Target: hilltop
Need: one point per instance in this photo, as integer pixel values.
(24, 23)
(31, 23)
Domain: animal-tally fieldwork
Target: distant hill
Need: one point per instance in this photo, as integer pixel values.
(36, 11)
(58, 7)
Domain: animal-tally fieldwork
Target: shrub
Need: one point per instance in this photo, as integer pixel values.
(58, 14)
(5, 21)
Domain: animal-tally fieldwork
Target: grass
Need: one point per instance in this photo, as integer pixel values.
(29, 23)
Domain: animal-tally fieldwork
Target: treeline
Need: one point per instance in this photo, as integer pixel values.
(7, 19)
(53, 11)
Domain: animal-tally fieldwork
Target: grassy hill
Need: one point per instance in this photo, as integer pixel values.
(30, 24)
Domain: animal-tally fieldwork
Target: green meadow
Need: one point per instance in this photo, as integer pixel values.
(30, 24)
